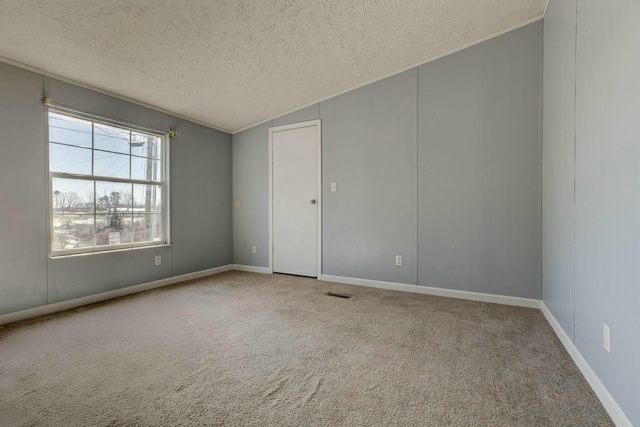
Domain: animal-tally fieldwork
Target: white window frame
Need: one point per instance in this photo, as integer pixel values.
(164, 184)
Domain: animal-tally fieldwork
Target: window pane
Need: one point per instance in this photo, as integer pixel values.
(72, 231)
(111, 138)
(113, 228)
(67, 159)
(147, 198)
(110, 164)
(69, 130)
(146, 169)
(146, 145)
(113, 197)
(72, 196)
(147, 227)
(87, 212)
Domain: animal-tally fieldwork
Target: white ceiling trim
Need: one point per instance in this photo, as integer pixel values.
(417, 64)
(233, 65)
(546, 6)
(180, 116)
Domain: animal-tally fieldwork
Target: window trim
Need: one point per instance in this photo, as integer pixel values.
(164, 184)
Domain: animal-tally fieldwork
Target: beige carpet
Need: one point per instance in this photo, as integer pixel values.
(243, 349)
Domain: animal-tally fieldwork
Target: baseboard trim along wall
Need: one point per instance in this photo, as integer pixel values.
(613, 409)
(448, 293)
(252, 269)
(91, 299)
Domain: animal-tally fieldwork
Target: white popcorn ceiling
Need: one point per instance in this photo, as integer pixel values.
(234, 63)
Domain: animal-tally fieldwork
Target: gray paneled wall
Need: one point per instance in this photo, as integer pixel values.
(369, 150)
(557, 160)
(23, 229)
(479, 166)
(251, 188)
(467, 184)
(200, 180)
(302, 115)
(78, 276)
(607, 258)
(81, 99)
(605, 111)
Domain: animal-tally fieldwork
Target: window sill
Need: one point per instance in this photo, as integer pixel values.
(110, 251)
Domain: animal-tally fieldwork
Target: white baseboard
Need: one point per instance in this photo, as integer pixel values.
(449, 293)
(90, 299)
(613, 409)
(252, 269)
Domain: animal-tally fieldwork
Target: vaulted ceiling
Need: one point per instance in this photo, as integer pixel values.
(234, 63)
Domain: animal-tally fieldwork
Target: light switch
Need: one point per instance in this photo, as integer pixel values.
(334, 187)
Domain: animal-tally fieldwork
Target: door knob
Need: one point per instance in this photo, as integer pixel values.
(312, 201)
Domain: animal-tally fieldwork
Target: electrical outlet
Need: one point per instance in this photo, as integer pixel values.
(399, 260)
(607, 338)
(254, 249)
(158, 260)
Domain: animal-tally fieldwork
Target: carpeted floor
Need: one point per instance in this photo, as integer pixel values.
(242, 349)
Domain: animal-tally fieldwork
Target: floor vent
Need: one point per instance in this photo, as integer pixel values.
(333, 294)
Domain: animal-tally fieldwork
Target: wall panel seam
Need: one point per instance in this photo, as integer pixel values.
(417, 257)
(575, 127)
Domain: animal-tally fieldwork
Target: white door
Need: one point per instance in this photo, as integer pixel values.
(295, 199)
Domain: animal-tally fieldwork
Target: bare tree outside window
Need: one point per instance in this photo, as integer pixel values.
(107, 184)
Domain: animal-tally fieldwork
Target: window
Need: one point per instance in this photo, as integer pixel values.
(107, 182)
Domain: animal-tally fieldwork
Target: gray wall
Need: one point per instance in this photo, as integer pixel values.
(558, 161)
(369, 149)
(23, 230)
(480, 166)
(606, 287)
(251, 187)
(447, 153)
(200, 180)
(608, 194)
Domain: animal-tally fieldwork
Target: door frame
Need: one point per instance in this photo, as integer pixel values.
(272, 130)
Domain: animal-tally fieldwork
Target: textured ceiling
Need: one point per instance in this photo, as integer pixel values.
(234, 63)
